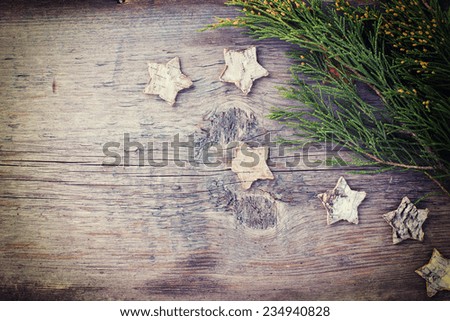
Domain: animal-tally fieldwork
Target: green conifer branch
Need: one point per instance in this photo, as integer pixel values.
(400, 49)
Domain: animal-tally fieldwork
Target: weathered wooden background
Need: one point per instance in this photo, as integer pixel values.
(72, 75)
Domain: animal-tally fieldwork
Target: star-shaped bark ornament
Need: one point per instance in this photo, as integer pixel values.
(166, 80)
(242, 68)
(436, 273)
(342, 203)
(406, 221)
(250, 164)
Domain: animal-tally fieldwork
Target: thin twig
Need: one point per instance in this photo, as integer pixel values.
(422, 168)
(438, 183)
(371, 86)
(427, 5)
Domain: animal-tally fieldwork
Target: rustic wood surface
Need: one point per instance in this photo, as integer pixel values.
(72, 76)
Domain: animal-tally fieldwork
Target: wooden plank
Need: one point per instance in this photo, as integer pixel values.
(72, 78)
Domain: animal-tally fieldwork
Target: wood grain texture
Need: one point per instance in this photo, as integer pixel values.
(72, 76)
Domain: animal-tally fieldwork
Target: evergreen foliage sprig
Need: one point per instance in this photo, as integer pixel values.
(399, 48)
